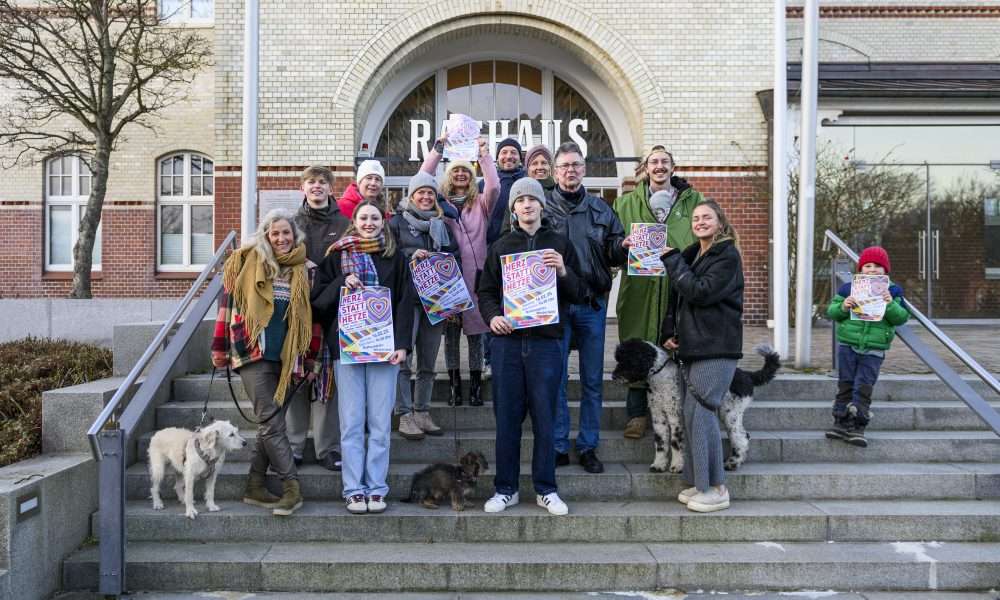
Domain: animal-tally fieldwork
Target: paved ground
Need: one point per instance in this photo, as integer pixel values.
(982, 342)
(624, 595)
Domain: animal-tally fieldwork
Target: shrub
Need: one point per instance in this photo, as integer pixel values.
(29, 367)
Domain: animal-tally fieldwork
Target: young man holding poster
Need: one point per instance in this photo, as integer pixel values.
(527, 349)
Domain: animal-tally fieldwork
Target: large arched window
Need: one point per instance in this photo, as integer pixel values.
(510, 99)
(67, 189)
(184, 216)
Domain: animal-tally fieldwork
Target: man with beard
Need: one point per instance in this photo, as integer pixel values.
(510, 170)
(659, 197)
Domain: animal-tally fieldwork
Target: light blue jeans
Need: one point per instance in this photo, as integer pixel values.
(365, 396)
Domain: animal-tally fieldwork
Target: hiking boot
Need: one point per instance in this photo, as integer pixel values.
(291, 501)
(256, 493)
(409, 427)
(636, 427)
(475, 388)
(716, 498)
(685, 496)
(500, 501)
(552, 503)
(856, 432)
(841, 425)
(590, 462)
(455, 384)
(426, 424)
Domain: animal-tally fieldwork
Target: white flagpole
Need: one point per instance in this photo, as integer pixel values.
(807, 185)
(251, 58)
(779, 185)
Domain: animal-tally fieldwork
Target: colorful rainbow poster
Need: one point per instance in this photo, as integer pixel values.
(440, 286)
(365, 323)
(648, 241)
(529, 290)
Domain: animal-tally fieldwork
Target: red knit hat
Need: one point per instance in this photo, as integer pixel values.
(874, 254)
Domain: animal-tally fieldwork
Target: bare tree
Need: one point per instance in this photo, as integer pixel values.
(83, 72)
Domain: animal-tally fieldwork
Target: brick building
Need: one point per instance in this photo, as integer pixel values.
(342, 80)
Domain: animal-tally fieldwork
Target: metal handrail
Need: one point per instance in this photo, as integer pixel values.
(931, 359)
(109, 409)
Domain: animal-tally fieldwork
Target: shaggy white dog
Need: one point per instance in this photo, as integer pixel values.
(192, 455)
(639, 360)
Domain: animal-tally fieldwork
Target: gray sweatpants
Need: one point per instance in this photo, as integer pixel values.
(703, 446)
(426, 343)
(324, 418)
(260, 380)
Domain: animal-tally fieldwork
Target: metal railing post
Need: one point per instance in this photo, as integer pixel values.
(111, 521)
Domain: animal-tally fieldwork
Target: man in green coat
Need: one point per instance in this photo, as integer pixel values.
(642, 301)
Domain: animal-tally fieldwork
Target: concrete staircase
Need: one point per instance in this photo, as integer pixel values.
(917, 510)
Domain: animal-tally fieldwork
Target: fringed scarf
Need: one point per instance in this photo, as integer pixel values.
(426, 221)
(355, 256)
(253, 297)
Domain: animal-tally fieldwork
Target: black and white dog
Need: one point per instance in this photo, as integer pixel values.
(639, 360)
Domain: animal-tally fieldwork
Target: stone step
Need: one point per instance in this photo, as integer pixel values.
(754, 481)
(765, 446)
(663, 594)
(389, 567)
(762, 415)
(640, 521)
(891, 388)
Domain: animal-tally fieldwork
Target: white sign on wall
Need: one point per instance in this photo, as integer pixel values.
(289, 200)
(421, 134)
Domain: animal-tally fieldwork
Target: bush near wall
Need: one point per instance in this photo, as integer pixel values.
(29, 367)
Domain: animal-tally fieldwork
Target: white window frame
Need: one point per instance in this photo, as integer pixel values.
(183, 15)
(185, 201)
(77, 204)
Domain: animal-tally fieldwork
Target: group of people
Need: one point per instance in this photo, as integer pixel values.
(278, 319)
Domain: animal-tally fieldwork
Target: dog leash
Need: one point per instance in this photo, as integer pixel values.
(232, 394)
(208, 396)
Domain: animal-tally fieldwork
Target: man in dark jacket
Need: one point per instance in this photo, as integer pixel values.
(510, 170)
(323, 224)
(596, 234)
(527, 363)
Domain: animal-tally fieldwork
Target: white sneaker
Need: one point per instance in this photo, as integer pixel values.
(356, 504)
(500, 501)
(553, 503)
(686, 495)
(716, 498)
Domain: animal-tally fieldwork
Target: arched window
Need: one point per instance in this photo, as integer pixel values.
(184, 216)
(67, 189)
(187, 11)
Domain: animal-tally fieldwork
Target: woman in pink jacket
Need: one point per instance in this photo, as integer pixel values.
(459, 188)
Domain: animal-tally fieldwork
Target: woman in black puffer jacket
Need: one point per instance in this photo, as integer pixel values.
(704, 326)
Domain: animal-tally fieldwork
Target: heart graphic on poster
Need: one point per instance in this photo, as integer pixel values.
(379, 308)
(539, 272)
(446, 268)
(657, 239)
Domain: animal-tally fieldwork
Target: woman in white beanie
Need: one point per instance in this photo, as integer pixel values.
(368, 185)
(419, 229)
(469, 231)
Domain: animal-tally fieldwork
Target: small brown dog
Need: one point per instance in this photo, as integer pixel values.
(439, 481)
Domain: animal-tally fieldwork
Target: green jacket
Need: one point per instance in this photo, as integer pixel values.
(867, 335)
(642, 301)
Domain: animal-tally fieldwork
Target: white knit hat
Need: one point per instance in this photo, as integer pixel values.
(370, 167)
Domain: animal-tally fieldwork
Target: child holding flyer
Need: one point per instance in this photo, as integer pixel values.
(528, 362)
(863, 342)
(365, 256)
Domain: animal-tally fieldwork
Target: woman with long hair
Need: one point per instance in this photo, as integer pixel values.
(365, 255)
(703, 325)
(264, 325)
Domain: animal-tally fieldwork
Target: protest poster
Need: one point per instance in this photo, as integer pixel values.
(365, 323)
(868, 290)
(440, 286)
(648, 241)
(529, 290)
(463, 138)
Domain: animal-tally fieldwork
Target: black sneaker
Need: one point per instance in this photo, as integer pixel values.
(331, 461)
(297, 460)
(590, 462)
(562, 459)
(841, 426)
(856, 437)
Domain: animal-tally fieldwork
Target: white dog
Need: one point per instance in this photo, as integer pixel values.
(639, 360)
(192, 455)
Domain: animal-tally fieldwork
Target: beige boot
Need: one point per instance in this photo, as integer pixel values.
(636, 427)
(426, 424)
(291, 501)
(256, 493)
(409, 428)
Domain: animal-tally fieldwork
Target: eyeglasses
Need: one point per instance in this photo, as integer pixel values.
(576, 166)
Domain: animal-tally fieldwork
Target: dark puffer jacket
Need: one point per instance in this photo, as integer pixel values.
(323, 226)
(705, 310)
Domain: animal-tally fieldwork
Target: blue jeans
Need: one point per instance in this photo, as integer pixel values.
(587, 326)
(526, 374)
(861, 372)
(365, 396)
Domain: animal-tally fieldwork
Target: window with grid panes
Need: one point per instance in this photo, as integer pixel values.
(67, 189)
(185, 204)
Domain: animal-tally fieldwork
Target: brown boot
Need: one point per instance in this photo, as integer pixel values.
(636, 427)
(291, 500)
(256, 492)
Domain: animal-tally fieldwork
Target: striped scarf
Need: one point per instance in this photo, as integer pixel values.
(355, 256)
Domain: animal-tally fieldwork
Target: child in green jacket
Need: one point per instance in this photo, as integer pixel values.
(861, 350)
